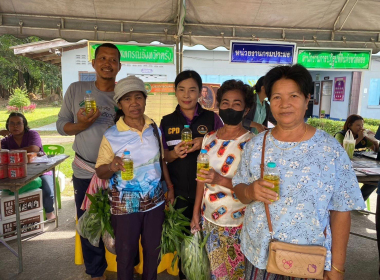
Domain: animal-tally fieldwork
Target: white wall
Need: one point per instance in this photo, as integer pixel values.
(366, 111)
(71, 66)
(339, 109)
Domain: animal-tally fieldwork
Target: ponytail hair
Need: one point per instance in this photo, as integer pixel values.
(119, 113)
(259, 84)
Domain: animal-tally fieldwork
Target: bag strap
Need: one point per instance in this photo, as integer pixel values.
(262, 176)
(157, 135)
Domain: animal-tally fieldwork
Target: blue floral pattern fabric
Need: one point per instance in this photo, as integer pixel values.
(316, 176)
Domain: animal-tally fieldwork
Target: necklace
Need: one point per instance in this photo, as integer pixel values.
(287, 149)
(235, 134)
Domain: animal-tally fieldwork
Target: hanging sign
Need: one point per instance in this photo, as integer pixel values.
(339, 88)
(139, 53)
(334, 59)
(264, 53)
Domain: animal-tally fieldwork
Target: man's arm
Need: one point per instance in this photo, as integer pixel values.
(66, 124)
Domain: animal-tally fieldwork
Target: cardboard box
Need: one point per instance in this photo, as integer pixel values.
(28, 202)
(26, 220)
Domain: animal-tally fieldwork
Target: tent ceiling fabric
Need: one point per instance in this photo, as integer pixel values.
(213, 23)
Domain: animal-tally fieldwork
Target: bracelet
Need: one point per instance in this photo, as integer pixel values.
(340, 271)
(171, 186)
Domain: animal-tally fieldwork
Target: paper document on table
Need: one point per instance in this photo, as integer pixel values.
(369, 171)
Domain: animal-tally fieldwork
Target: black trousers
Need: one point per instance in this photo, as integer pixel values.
(189, 203)
(128, 229)
(94, 257)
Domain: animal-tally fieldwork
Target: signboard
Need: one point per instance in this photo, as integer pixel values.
(264, 53)
(339, 88)
(139, 53)
(161, 100)
(334, 59)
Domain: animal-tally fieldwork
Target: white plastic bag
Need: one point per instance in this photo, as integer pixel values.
(349, 143)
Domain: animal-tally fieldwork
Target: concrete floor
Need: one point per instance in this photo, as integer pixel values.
(50, 256)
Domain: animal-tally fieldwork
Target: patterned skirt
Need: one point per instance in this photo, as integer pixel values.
(223, 250)
(253, 273)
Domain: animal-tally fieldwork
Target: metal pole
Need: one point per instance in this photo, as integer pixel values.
(18, 227)
(181, 53)
(55, 199)
(176, 56)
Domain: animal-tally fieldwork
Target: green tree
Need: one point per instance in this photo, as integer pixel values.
(20, 71)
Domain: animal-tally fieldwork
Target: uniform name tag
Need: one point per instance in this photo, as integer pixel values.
(173, 142)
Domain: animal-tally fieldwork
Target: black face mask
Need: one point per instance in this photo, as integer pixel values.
(230, 116)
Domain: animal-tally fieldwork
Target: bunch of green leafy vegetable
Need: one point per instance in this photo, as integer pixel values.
(195, 262)
(173, 231)
(100, 206)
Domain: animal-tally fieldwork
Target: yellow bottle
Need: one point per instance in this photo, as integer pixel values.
(203, 163)
(89, 102)
(128, 166)
(272, 175)
(187, 135)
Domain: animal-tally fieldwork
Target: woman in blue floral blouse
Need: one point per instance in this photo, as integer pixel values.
(318, 187)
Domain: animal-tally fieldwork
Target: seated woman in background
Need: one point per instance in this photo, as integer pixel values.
(356, 124)
(20, 137)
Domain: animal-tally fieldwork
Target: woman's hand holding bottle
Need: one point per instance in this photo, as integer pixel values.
(258, 191)
(116, 164)
(209, 176)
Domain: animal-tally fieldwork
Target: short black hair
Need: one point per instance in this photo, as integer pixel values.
(107, 45)
(299, 74)
(246, 91)
(259, 84)
(24, 120)
(187, 74)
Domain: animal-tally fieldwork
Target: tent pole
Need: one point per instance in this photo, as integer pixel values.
(181, 53)
(177, 62)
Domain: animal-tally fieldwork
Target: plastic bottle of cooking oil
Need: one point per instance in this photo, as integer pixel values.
(89, 102)
(203, 162)
(272, 175)
(187, 135)
(128, 166)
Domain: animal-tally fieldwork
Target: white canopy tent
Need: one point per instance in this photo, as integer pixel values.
(212, 23)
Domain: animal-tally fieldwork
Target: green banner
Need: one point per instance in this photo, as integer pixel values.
(141, 54)
(334, 59)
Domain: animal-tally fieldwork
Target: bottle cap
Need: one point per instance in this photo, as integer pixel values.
(271, 164)
(88, 91)
(203, 151)
(127, 153)
(186, 126)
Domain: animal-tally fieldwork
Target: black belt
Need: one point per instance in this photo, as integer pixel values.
(78, 155)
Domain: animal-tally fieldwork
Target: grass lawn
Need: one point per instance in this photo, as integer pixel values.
(41, 116)
(66, 169)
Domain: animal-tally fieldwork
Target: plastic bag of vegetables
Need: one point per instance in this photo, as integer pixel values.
(96, 221)
(195, 263)
(89, 227)
(173, 231)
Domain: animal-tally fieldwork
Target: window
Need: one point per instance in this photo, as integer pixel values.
(374, 93)
(85, 76)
